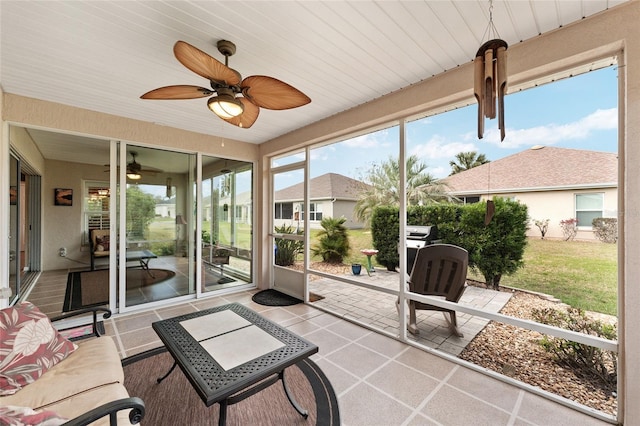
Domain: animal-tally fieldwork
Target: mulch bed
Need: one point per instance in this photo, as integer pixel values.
(515, 352)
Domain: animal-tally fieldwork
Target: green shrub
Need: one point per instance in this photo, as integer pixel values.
(164, 249)
(286, 251)
(385, 227)
(446, 216)
(606, 229)
(495, 249)
(333, 240)
(594, 361)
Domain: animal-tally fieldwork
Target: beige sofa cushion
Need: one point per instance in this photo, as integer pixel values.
(73, 407)
(94, 364)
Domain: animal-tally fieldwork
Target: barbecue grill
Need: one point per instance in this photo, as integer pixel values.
(418, 237)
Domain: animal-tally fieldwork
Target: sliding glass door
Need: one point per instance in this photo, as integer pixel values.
(14, 228)
(159, 257)
(227, 223)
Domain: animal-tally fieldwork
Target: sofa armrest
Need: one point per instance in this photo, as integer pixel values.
(94, 311)
(111, 409)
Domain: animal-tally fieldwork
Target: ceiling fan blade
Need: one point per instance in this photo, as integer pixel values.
(271, 93)
(178, 92)
(248, 116)
(203, 64)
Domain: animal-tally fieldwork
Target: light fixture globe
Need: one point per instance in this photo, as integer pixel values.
(225, 105)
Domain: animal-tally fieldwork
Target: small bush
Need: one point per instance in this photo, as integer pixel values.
(385, 227)
(287, 250)
(595, 361)
(333, 240)
(606, 229)
(569, 228)
(543, 226)
(164, 249)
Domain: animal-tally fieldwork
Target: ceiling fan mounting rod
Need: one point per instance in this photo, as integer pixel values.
(227, 48)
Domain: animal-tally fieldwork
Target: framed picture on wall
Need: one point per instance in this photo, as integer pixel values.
(13, 195)
(63, 197)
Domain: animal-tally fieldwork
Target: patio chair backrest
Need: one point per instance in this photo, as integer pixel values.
(440, 270)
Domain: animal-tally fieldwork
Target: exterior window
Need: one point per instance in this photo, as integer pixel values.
(589, 207)
(95, 208)
(471, 199)
(283, 211)
(316, 212)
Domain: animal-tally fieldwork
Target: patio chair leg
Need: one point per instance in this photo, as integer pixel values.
(412, 327)
(453, 323)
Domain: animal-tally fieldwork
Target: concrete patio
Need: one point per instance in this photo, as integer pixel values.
(378, 309)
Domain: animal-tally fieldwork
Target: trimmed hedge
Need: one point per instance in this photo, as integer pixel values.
(494, 250)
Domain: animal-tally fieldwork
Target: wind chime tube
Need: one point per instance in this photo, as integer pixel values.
(478, 85)
(501, 68)
(489, 85)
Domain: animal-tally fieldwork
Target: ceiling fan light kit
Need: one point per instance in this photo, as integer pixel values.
(225, 105)
(236, 101)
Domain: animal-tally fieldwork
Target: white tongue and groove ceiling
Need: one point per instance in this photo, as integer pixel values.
(102, 55)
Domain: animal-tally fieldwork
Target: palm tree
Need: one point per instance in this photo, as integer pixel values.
(380, 187)
(467, 160)
(333, 240)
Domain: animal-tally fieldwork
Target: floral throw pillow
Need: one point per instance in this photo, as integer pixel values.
(29, 347)
(22, 416)
(102, 243)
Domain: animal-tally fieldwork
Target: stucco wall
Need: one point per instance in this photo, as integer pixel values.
(560, 205)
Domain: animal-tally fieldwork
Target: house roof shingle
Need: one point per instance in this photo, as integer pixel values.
(327, 186)
(539, 168)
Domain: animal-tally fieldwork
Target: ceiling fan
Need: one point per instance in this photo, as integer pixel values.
(235, 100)
(135, 169)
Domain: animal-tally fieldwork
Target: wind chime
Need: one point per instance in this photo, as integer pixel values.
(490, 86)
(490, 77)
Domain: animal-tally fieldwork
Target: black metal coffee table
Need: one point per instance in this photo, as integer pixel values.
(224, 351)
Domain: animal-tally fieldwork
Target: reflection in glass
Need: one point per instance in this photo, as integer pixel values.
(227, 217)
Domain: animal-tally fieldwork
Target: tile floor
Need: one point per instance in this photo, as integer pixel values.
(378, 380)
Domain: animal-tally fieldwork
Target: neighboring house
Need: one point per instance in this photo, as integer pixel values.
(332, 195)
(554, 183)
(166, 208)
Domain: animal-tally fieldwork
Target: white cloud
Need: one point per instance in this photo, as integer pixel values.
(438, 147)
(601, 119)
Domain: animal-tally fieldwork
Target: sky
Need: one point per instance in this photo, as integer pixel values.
(578, 112)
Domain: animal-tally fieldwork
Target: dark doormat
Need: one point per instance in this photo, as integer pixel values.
(273, 297)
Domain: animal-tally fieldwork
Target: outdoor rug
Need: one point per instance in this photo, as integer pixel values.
(175, 402)
(91, 288)
(271, 297)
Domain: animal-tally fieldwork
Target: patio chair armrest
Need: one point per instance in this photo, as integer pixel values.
(94, 311)
(111, 409)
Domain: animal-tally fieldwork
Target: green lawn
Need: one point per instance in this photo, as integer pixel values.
(581, 274)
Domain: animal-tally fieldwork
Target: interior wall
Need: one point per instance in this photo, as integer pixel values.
(62, 225)
(53, 116)
(613, 32)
